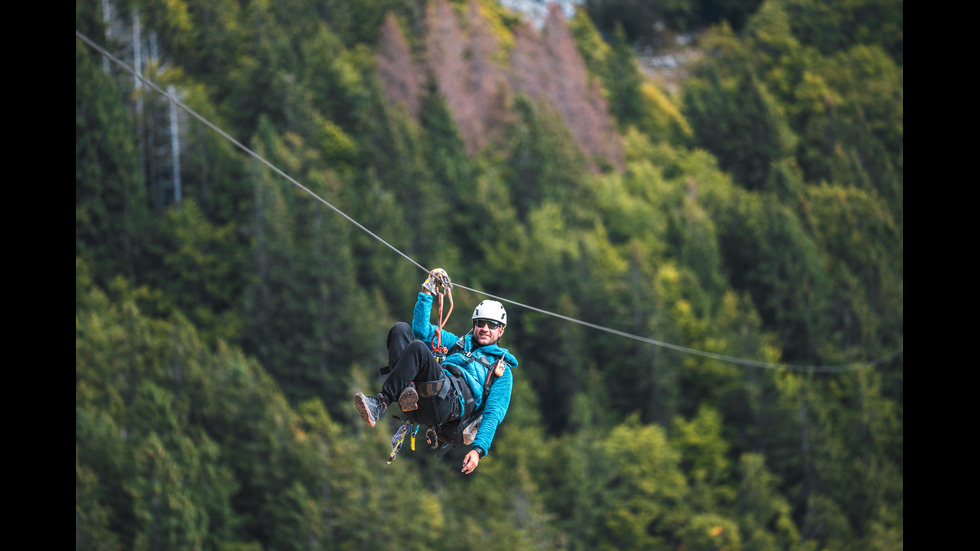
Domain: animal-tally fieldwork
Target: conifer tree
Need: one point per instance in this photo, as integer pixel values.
(786, 286)
(110, 201)
(638, 512)
(764, 515)
(454, 177)
(398, 73)
(624, 81)
(736, 119)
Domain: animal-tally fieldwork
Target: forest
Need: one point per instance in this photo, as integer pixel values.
(704, 275)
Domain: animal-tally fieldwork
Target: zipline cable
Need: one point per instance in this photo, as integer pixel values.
(696, 352)
(238, 144)
(678, 348)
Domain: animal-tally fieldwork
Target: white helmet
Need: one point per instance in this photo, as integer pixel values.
(490, 310)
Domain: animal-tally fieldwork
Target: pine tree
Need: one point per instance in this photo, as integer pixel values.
(642, 500)
(110, 203)
(396, 69)
(624, 81)
(548, 69)
(764, 515)
(736, 119)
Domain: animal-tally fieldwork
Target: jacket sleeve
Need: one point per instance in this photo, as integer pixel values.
(422, 328)
(493, 413)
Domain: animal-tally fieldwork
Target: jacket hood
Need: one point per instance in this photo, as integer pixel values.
(491, 350)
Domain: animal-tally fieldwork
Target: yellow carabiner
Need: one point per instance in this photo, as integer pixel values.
(415, 430)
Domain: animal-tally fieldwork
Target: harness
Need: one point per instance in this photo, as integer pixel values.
(459, 429)
(451, 433)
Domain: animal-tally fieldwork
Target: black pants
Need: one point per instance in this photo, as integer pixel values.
(411, 361)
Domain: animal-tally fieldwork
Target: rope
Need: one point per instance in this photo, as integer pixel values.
(683, 349)
(436, 343)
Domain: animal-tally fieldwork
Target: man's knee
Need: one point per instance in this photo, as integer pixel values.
(416, 346)
(399, 329)
(427, 366)
(399, 337)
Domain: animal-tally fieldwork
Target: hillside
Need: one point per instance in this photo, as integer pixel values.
(705, 274)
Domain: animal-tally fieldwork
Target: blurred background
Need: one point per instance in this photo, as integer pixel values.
(722, 178)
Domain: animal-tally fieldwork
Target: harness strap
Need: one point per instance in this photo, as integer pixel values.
(493, 369)
(433, 389)
(434, 435)
(463, 390)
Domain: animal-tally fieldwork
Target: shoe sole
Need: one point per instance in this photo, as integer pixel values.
(409, 400)
(360, 402)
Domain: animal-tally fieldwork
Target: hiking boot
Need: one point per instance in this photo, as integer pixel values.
(409, 400)
(371, 408)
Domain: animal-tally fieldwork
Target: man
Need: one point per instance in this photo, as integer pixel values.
(429, 392)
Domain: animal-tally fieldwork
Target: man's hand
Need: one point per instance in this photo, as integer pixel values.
(429, 285)
(470, 462)
(437, 278)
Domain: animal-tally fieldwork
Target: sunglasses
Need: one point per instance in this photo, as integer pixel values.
(488, 323)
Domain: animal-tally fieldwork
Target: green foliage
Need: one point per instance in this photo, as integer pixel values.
(701, 443)
(765, 519)
(842, 24)
(645, 488)
(846, 108)
(593, 48)
(757, 214)
(863, 245)
(785, 286)
(201, 262)
(624, 80)
(735, 117)
(640, 20)
(634, 101)
(707, 532)
(544, 164)
(110, 205)
(655, 24)
(451, 210)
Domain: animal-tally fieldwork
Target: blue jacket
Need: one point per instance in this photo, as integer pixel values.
(474, 372)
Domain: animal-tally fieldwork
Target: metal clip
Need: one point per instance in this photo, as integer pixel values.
(431, 438)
